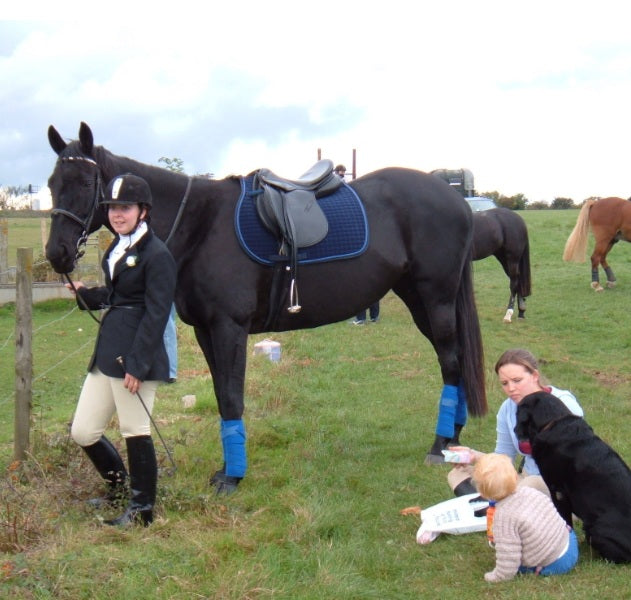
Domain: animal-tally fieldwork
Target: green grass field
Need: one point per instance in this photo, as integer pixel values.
(337, 434)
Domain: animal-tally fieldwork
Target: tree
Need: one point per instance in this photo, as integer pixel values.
(173, 164)
(516, 202)
(562, 203)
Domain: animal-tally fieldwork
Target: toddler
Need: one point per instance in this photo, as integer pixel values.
(524, 526)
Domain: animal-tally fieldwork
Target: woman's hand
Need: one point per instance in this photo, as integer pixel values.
(131, 383)
(475, 454)
(77, 285)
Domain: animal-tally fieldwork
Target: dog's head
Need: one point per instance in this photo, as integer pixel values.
(535, 413)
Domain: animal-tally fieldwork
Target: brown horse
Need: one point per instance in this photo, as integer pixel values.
(610, 220)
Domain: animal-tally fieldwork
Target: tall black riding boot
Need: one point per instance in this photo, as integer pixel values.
(109, 464)
(143, 477)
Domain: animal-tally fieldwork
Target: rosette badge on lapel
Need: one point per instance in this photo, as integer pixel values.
(131, 260)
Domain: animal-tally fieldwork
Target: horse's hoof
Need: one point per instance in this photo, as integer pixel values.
(224, 485)
(434, 459)
(611, 284)
(597, 287)
(507, 320)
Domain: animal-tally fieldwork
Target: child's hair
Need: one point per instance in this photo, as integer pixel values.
(495, 476)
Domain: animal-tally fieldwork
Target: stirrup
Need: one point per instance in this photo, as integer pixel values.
(294, 306)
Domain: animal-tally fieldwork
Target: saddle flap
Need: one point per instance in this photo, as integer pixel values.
(295, 217)
(310, 224)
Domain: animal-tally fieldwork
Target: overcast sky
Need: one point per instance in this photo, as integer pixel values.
(532, 97)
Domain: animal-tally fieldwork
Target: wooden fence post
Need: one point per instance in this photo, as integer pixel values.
(23, 351)
(4, 250)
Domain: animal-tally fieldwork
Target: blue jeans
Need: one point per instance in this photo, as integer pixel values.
(170, 343)
(373, 311)
(562, 564)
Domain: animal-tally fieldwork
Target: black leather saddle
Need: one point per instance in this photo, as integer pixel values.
(289, 209)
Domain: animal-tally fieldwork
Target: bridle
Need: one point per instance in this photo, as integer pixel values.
(87, 222)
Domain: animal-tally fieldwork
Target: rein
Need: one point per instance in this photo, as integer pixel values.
(180, 211)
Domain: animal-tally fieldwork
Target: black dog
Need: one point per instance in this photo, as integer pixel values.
(585, 475)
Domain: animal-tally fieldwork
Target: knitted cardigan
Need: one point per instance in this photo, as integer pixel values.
(528, 531)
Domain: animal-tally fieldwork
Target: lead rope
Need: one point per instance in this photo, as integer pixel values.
(80, 299)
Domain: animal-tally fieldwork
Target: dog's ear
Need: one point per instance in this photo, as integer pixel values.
(524, 420)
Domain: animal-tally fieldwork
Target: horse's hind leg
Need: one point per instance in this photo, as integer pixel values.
(452, 407)
(521, 305)
(598, 258)
(611, 278)
(508, 316)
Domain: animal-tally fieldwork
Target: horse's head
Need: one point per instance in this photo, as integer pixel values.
(76, 186)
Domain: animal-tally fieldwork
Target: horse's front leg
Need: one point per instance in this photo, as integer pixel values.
(225, 347)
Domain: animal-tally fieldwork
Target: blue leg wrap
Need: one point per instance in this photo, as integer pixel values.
(461, 409)
(447, 411)
(233, 441)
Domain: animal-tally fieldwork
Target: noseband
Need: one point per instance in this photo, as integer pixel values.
(98, 195)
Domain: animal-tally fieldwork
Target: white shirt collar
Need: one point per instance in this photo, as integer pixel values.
(125, 243)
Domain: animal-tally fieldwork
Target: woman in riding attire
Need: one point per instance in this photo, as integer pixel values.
(129, 357)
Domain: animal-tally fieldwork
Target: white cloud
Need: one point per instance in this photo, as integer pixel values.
(532, 98)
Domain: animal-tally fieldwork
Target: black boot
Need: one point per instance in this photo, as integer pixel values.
(435, 456)
(109, 464)
(466, 486)
(143, 476)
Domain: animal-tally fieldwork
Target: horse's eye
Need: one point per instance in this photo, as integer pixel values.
(86, 183)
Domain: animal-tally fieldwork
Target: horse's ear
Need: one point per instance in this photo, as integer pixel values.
(55, 140)
(86, 139)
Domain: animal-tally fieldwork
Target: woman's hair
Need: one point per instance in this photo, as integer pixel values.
(495, 476)
(521, 357)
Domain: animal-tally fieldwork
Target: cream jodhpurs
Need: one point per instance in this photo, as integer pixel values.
(100, 397)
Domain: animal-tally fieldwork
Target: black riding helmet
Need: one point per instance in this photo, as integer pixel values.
(128, 189)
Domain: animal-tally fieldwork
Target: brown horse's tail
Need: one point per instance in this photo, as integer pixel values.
(576, 245)
(524, 285)
(470, 342)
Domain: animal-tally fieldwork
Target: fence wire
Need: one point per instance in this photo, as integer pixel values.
(66, 358)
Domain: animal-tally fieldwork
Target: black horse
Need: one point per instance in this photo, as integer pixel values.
(502, 233)
(420, 241)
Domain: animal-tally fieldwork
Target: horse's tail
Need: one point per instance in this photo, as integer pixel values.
(470, 342)
(524, 285)
(576, 245)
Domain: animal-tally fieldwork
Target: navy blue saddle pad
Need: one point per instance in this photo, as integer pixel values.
(347, 236)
